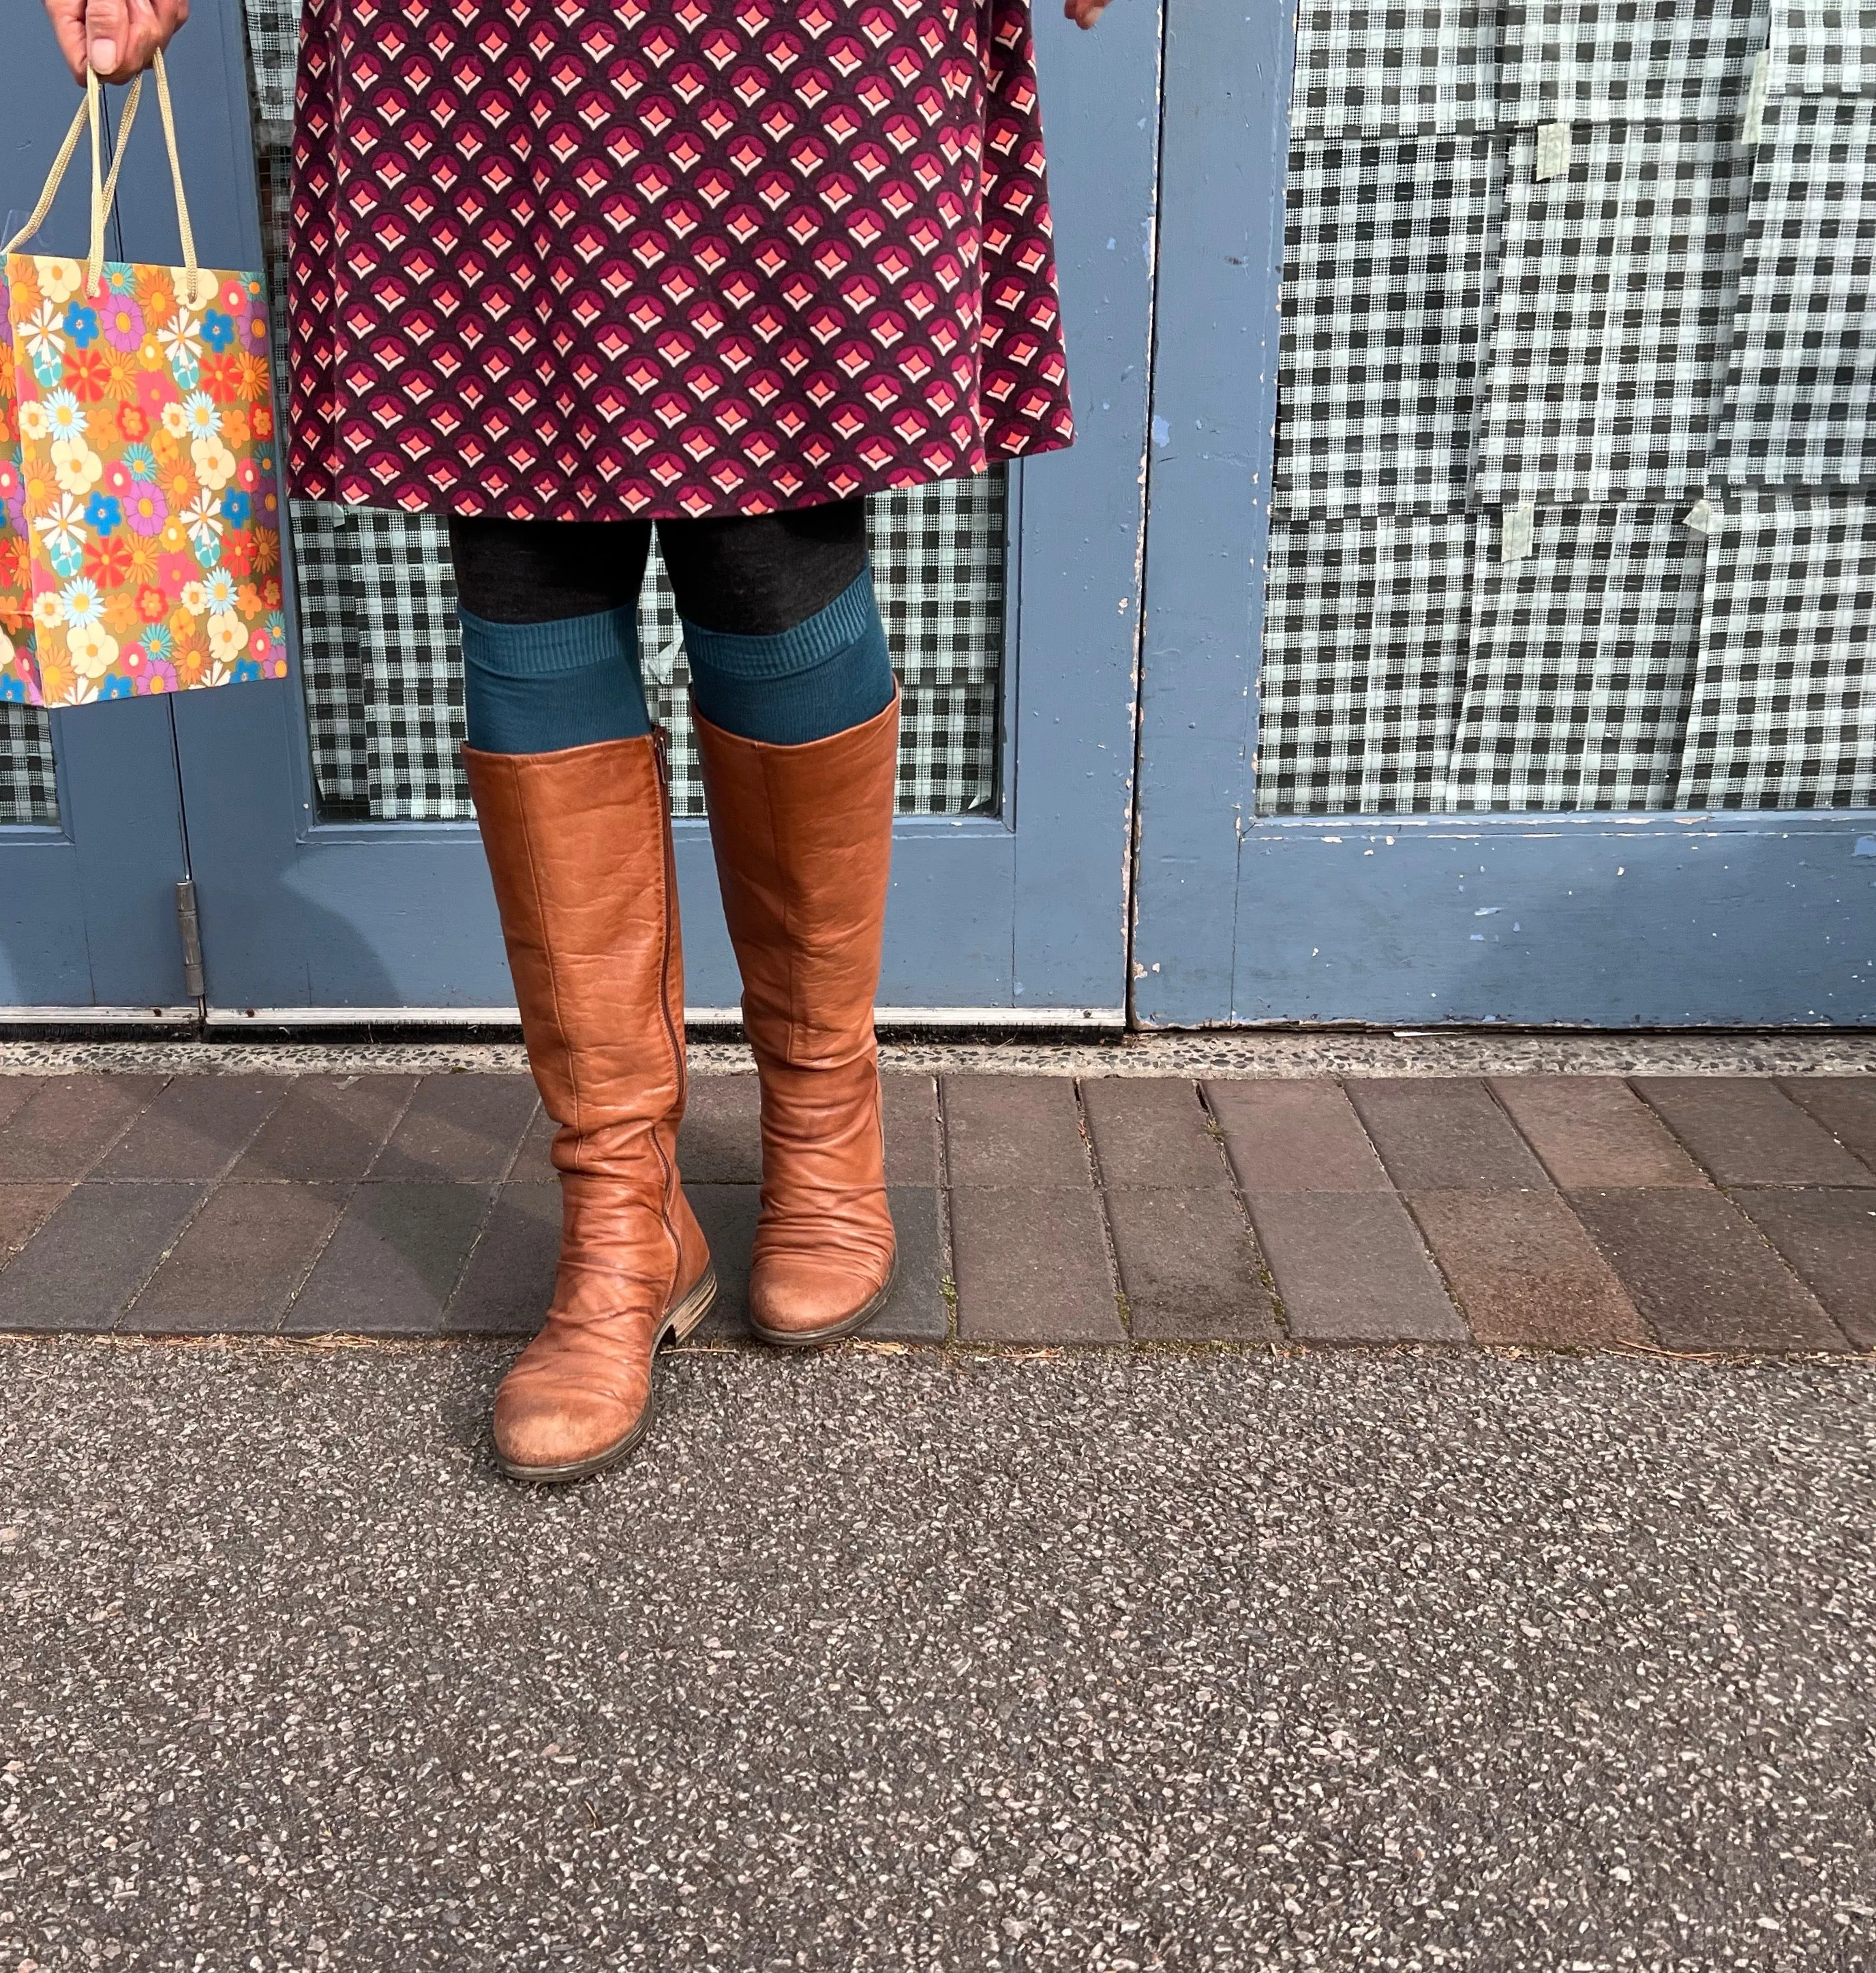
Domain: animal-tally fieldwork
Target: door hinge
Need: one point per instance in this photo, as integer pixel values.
(190, 925)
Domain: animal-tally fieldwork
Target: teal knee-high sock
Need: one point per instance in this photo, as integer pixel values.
(536, 688)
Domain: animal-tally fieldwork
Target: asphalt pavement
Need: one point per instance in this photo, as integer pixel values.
(1343, 1659)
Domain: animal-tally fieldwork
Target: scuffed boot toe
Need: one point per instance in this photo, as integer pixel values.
(565, 1434)
(799, 1301)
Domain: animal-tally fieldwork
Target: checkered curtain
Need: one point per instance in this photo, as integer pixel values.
(28, 792)
(379, 661)
(1575, 496)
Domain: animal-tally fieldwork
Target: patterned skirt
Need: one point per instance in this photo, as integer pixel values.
(596, 260)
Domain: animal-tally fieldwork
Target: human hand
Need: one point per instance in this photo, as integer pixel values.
(116, 38)
(1083, 13)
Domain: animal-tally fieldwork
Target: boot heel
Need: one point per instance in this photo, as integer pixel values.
(693, 1307)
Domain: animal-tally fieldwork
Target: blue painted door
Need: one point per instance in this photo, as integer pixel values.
(91, 844)
(1017, 902)
(1540, 695)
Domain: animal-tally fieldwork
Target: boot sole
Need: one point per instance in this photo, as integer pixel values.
(851, 1325)
(683, 1316)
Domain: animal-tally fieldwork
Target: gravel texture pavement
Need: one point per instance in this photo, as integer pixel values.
(1343, 1661)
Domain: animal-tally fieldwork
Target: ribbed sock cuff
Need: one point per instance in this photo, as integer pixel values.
(824, 635)
(540, 687)
(827, 674)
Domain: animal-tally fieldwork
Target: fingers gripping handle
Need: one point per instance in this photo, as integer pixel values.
(104, 189)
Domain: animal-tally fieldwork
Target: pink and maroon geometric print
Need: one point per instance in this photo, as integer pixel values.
(594, 259)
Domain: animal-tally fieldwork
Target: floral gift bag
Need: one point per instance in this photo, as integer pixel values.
(140, 546)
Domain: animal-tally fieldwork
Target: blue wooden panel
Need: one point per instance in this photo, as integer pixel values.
(1214, 415)
(43, 954)
(118, 792)
(1082, 522)
(296, 914)
(1601, 921)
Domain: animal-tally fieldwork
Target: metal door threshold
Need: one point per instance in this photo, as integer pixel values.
(1092, 1019)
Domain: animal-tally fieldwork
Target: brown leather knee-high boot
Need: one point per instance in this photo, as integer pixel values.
(579, 845)
(803, 838)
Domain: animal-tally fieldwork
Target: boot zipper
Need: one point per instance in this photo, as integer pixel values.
(661, 752)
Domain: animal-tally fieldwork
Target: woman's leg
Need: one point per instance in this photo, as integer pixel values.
(797, 724)
(569, 784)
(549, 615)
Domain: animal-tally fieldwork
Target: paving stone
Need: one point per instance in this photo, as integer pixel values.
(63, 1129)
(92, 1255)
(534, 1162)
(1845, 1105)
(916, 1312)
(509, 1281)
(1594, 1130)
(1700, 1274)
(1188, 1267)
(16, 1091)
(392, 1261)
(237, 1264)
(1444, 1134)
(1747, 1132)
(911, 1111)
(1299, 1135)
(1020, 1130)
(459, 1127)
(1523, 1271)
(1032, 1266)
(23, 1210)
(1350, 1267)
(326, 1128)
(1152, 1130)
(720, 1142)
(197, 1124)
(728, 1215)
(1829, 1237)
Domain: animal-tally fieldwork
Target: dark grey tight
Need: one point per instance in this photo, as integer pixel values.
(752, 575)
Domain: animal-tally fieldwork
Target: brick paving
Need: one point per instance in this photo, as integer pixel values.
(1697, 1214)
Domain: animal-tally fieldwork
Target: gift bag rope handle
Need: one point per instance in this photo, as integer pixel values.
(104, 190)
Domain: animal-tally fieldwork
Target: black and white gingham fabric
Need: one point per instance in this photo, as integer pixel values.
(1390, 260)
(1377, 68)
(28, 788)
(1784, 711)
(948, 750)
(1798, 409)
(1365, 662)
(1822, 47)
(272, 56)
(1581, 664)
(1601, 61)
(938, 569)
(325, 556)
(1615, 313)
(404, 626)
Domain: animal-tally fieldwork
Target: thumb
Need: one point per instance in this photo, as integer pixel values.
(107, 24)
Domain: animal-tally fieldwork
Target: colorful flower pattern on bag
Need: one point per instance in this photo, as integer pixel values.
(140, 551)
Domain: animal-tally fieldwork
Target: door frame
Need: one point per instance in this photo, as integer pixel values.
(1376, 921)
(1020, 916)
